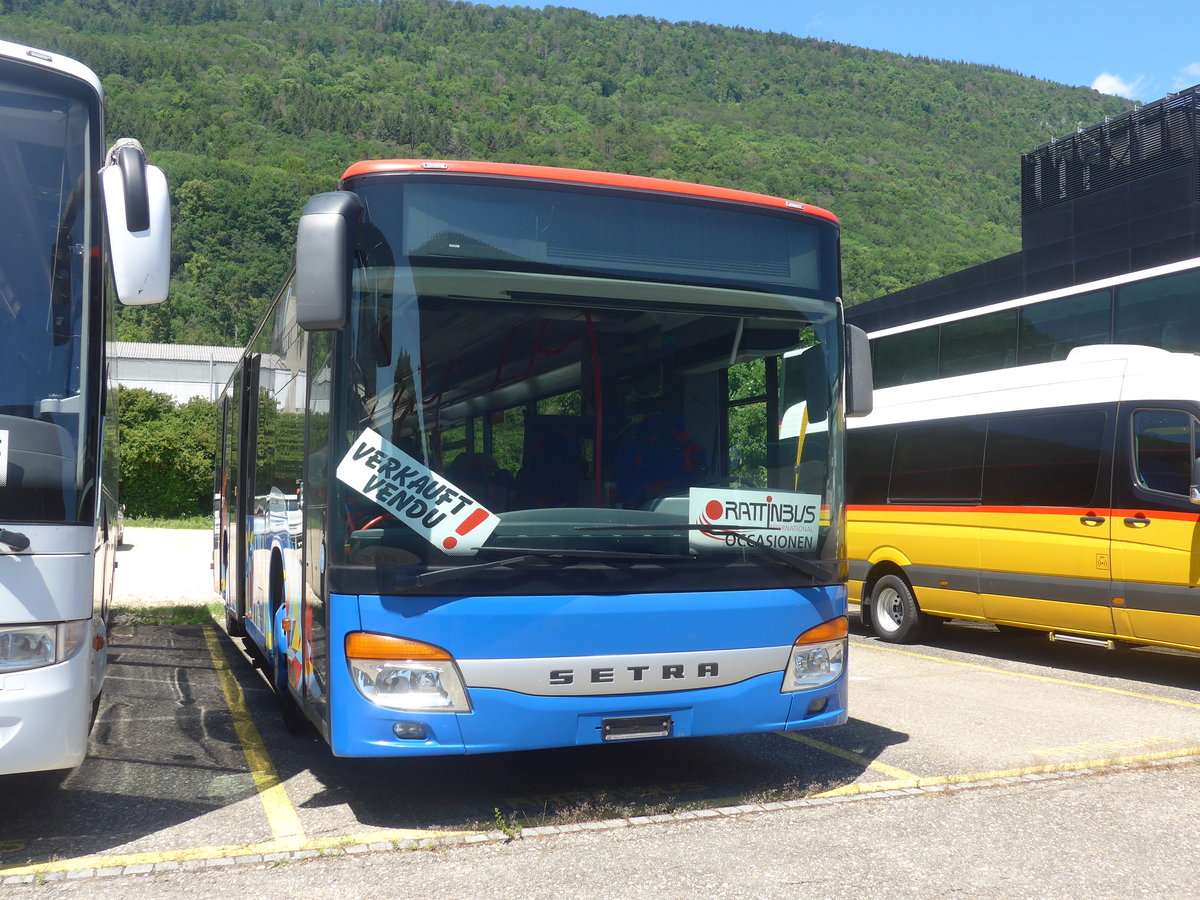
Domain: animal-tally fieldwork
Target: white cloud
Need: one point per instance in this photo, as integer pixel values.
(1186, 77)
(1107, 83)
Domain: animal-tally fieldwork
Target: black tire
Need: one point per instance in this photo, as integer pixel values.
(895, 615)
(233, 624)
(293, 716)
(294, 719)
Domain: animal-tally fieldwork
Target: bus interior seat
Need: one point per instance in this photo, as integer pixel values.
(660, 459)
(481, 477)
(554, 465)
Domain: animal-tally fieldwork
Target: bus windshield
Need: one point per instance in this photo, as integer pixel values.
(517, 392)
(46, 443)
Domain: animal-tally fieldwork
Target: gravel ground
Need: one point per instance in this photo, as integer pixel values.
(164, 566)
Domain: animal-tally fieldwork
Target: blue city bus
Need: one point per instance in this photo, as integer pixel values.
(501, 469)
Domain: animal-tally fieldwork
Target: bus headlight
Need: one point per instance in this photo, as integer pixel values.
(398, 673)
(33, 646)
(818, 656)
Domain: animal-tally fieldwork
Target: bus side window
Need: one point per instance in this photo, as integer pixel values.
(1046, 459)
(869, 465)
(1162, 444)
(942, 462)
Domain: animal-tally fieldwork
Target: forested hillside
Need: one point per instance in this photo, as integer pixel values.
(252, 105)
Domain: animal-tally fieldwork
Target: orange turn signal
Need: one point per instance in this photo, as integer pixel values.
(833, 630)
(365, 645)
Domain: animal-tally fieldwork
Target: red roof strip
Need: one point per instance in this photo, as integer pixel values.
(580, 176)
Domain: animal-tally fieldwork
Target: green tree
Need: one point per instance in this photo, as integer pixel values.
(166, 454)
(254, 105)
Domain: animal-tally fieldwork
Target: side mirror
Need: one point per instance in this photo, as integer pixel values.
(325, 240)
(138, 214)
(1194, 490)
(860, 380)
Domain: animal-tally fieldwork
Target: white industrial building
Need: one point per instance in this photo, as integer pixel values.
(182, 371)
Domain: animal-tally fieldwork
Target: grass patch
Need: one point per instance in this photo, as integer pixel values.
(603, 805)
(201, 522)
(174, 614)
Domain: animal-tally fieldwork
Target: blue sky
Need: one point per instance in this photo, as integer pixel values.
(1139, 52)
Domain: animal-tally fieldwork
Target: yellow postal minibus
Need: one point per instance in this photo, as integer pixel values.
(1059, 497)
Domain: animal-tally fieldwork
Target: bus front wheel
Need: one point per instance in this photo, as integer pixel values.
(895, 615)
(293, 716)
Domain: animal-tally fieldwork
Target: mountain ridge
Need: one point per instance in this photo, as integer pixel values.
(253, 105)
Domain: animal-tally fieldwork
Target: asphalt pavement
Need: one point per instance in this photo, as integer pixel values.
(1119, 834)
(985, 766)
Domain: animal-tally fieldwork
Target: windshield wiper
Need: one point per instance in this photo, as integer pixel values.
(570, 552)
(526, 555)
(800, 565)
(788, 559)
(661, 527)
(457, 571)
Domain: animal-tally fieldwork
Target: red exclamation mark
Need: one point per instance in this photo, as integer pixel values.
(473, 520)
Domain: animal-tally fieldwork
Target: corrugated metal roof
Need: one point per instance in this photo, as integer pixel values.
(174, 352)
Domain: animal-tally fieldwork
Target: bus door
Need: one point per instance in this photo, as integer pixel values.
(231, 506)
(239, 502)
(1156, 530)
(1046, 520)
(254, 568)
(308, 645)
(220, 520)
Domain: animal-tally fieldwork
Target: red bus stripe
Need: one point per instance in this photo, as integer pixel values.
(578, 176)
(1144, 512)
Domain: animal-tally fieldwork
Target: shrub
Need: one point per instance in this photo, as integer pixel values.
(166, 453)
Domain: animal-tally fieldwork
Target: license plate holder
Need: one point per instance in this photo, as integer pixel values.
(636, 728)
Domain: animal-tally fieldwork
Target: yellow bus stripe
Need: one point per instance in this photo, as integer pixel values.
(849, 755)
(282, 817)
(1043, 678)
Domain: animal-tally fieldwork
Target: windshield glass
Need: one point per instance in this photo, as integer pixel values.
(501, 411)
(46, 443)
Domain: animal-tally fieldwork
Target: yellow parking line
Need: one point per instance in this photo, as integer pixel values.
(1044, 678)
(902, 779)
(281, 815)
(967, 779)
(287, 833)
(857, 758)
(394, 836)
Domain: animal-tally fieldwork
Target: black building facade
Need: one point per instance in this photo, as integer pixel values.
(1115, 198)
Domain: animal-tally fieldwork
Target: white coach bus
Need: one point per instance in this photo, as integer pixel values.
(81, 224)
